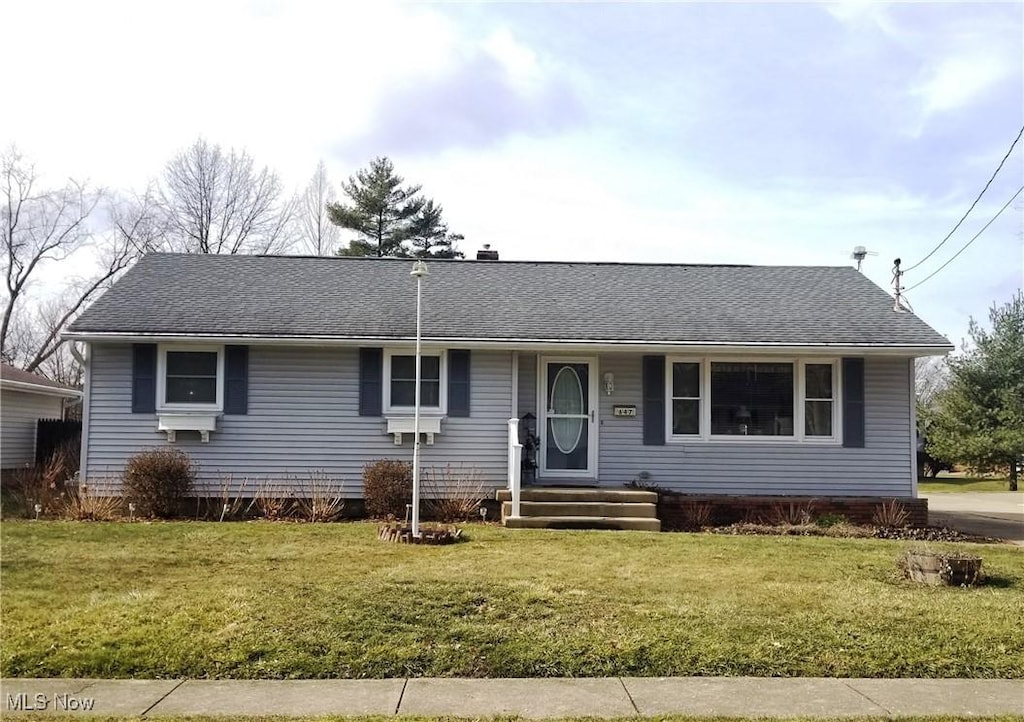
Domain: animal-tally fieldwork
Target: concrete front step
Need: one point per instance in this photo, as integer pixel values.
(582, 508)
(583, 522)
(564, 494)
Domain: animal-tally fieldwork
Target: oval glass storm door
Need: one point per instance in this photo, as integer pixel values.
(568, 417)
(566, 408)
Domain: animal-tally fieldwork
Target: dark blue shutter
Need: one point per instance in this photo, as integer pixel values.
(371, 379)
(236, 379)
(458, 383)
(144, 378)
(853, 403)
(654, 400)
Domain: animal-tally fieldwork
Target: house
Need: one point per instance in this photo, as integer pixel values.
(703, 379)
(24, 399)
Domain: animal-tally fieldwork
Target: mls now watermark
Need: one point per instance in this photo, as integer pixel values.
(25, 702)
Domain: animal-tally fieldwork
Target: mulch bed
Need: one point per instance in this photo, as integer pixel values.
(850, 531)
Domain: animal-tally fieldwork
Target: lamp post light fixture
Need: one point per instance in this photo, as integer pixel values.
(419, 270)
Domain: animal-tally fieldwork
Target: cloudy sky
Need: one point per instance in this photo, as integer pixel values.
(692, 132)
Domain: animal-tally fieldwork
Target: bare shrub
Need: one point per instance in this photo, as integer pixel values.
(157, 480)
(320, 498)
(45, 484)
(453, 494)
(890, 514)
(90, 502)
(272, 500)
(698, 514)
(387, 488)
(792, 514)
(231, 500)
(752, 515)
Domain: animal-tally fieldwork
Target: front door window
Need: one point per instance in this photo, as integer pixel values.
(567, 442)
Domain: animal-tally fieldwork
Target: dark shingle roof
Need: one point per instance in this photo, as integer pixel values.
(291, 296)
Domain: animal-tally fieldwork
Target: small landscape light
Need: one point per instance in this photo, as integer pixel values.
(483, 513)
(131, 511)
(38, 509)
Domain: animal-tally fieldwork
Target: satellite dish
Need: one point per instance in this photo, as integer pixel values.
(860, 253)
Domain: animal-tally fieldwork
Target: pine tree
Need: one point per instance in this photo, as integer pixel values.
(429, 234)
(979, 418)
(381, 212)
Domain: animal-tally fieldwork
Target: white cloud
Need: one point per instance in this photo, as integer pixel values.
(959, 80)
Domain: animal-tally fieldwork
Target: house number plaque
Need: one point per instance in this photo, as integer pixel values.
(624, 410)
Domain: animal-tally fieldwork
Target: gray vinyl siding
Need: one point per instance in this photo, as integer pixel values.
(19, 411)
(527, 384)
(883, 467)
(303, 417)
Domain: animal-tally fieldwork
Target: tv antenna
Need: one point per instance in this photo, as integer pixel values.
(860, 253)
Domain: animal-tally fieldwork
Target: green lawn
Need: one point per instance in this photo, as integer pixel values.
(251, 600)
(961, 483)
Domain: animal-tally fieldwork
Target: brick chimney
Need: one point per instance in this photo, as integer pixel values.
(486, 254)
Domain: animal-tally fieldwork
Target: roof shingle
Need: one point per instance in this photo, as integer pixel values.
(290, 296)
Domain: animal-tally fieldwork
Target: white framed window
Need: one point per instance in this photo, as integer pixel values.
(820, 385)
(190, 378)
(755, 400)
(752, 398)
(400, 382)
(684, 385)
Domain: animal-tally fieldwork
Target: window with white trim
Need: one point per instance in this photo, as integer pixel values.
(685, 402)
(763, 399)
(400, 381)
(190, 378)
(819, 399)
(751, 398)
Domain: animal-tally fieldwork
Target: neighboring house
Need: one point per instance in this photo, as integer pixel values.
(24, 399)
(697, 378)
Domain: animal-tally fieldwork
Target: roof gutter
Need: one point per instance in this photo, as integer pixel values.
(522, 344)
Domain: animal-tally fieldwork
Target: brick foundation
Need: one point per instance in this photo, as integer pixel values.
(673, 507)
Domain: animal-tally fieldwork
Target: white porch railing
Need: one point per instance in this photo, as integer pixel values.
(515, 459)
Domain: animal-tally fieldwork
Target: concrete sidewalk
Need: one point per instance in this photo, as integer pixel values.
(534, 698)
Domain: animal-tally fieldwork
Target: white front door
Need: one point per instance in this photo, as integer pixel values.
(568, 423)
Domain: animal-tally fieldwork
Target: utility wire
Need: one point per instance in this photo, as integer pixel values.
(1012, 146)
(1007, 205)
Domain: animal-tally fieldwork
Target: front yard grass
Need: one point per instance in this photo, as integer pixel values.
(265, 600)
(961, 483)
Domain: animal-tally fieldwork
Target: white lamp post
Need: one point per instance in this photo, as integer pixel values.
(419, 270)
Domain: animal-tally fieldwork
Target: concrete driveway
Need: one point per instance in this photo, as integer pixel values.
(998, 514)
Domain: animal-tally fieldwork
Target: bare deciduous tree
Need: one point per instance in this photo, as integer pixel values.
(219, 202)
(931, 376)
(318, 236)
(41, 227)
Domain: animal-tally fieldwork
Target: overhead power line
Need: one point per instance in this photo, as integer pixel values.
(964, 248)
(964, 217)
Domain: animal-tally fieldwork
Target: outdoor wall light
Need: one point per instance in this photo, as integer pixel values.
(609, 383)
